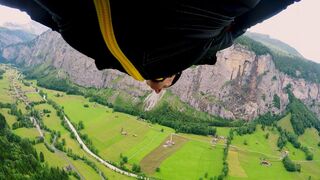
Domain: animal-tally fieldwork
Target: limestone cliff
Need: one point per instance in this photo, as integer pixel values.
(240, 85)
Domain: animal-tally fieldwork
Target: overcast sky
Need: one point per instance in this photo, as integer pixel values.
(298, 26)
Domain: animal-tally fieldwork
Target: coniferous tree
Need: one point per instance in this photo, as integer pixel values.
(41, 157)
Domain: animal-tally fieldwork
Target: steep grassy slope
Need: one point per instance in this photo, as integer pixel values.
(285, 123)
(274, 44)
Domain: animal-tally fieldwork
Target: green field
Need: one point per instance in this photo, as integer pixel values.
(294, 153)
(60, 160)
(192, 161)
(191, 157)
(30, 133)
(223, 131)
(244, 160)
(311, 139)
(10, 119)
(4, 89)
(285, 123)
(53, 159)
(248, 166)
(152, 161)
(247, 152)
(104, 128)
(236, 170)
(22, 107)
(258, 143)
(34, 97)
(52, 121)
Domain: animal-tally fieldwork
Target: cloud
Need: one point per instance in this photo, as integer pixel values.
(297, 26)
(13, 15)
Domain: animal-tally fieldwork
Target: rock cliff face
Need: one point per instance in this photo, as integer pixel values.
(240, 85)
(51, 48)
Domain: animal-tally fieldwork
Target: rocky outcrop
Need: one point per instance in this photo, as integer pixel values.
(240, 85)
(152, 99)
(51, 48)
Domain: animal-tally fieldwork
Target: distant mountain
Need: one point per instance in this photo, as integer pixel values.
(9, 36)
(274, 44)
(31, 27)
(15, 34)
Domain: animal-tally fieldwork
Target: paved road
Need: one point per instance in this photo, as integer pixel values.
(85, 148)
(35, 123)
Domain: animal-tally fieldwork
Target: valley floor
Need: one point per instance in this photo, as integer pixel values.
(136, 145)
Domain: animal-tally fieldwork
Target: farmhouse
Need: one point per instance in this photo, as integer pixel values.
(265, 163)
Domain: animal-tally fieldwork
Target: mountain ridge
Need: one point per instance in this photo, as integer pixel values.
(241, 85)
(273, 43)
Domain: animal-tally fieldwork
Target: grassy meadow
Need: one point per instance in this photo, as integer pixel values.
(143, 141)
(194, 160)
(104, 128)
(191, 156)
(258, 143)
(5, 96)
(52, 121)
(285, 123)
(33, 96)
(247, 152)
(9, 118)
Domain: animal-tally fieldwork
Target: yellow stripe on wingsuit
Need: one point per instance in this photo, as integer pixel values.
(105, 22)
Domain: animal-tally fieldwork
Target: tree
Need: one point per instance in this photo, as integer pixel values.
(276, 101)
(1, 73)
(289, 165)
(308, 153)
(245, 142)
(63, 142)
(298, 167)
(41, 157)
(125, 159)
(3, 123)
(206, 175)
(22, 160)
(309, 156)
(136, 168)
(282, 141)
(80, 125)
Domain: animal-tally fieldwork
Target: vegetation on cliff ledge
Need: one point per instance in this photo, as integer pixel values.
(291, 65)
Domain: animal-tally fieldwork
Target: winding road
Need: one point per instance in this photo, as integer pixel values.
(85, 148)
(36, 124)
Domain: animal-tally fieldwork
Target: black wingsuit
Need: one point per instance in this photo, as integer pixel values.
(159, 37)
